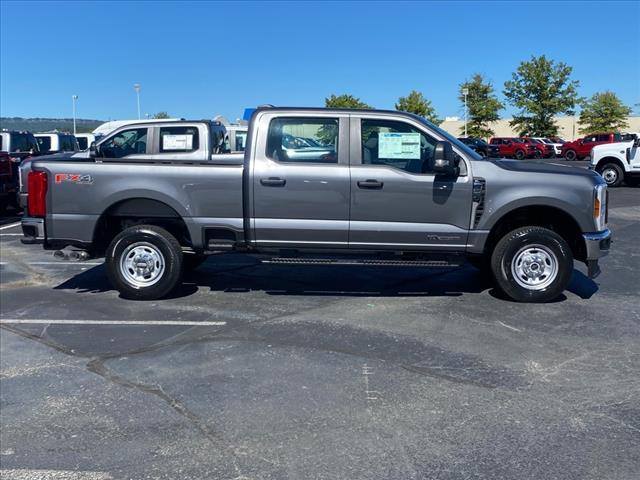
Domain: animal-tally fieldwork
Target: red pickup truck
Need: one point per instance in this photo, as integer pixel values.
(543, 150)
(514, 147)
(580, 148)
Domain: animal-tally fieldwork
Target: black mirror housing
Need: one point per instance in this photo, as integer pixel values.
(445, 160)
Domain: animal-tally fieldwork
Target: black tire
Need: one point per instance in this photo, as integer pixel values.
(536, 250)
(612, 174)
(192, 261)
(154, 247)
(537, 154)
(570, 155)
(520, 154)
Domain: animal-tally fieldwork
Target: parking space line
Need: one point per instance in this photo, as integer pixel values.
(11, 225)
(65, 263)
(110, 322)
(10, 234)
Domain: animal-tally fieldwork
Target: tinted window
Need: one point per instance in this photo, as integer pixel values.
(179, 139)
(127, 142)
(303, 140)
(83, 143)
(44, 143)
(398, 145)
(19, 142)
(589, 139)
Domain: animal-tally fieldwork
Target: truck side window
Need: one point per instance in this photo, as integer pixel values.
(127, 142)
(303, 140)
(179, 139)
(397, 144)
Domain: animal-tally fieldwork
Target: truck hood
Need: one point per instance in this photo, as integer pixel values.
(612, 147)
(543, 167)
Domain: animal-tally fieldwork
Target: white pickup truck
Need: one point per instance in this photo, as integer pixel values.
(618, 162)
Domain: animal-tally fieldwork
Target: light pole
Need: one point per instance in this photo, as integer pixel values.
(74, 98)
(136, 87)
(465, 92)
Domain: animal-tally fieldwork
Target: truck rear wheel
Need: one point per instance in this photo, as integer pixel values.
(570, 155)
(144, 262)
(520, 154)
(532, 264)
(612, 174)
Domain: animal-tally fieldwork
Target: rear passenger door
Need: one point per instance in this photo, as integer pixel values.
(300, 180)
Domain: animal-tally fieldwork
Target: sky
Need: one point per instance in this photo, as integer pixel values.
(200, 59)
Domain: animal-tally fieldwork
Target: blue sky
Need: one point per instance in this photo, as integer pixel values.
(199, 59)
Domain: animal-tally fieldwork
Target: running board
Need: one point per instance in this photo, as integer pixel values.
(366, 262)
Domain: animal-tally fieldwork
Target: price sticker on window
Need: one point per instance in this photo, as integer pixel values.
(405, 146)
(177, 142)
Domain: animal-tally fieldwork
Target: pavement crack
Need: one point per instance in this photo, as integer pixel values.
(98, 367)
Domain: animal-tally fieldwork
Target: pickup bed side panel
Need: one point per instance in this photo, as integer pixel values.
(203, 195)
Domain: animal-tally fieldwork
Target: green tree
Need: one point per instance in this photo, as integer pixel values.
(603, 112)
(345, 101)
(416, 103)
(161, 115)
(482, 107)
(541, 88)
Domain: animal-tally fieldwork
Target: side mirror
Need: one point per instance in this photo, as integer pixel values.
(94, 150)
(445, 160)
(636, 142)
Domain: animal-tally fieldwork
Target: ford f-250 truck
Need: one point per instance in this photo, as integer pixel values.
(320, 186)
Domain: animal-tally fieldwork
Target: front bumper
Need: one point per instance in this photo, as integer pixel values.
(33, 231)
(597, 246)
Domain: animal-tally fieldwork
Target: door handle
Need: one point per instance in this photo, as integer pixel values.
(273, 182)
(370, 183)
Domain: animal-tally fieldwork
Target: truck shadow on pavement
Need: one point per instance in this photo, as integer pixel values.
(247, 275)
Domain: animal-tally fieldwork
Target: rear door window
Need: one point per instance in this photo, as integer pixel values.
(303, 140)
(179, 139)
(44, 143)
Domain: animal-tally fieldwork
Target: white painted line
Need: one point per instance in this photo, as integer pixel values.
(10, 234)
(61, 262)
(109, 322)
(11, 225)
(36, 474)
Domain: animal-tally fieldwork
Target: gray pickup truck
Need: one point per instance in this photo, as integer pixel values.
(316, 186)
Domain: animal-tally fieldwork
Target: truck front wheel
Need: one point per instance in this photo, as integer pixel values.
(612, 174)
(532, 264)
(520, 154)
(144, 262)
(570, 155)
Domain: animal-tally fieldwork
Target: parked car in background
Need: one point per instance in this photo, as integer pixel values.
(481, 147)
(85, 140)
(559, 140)
(543, 149)
(557, 147)
(56, 142)
(8, 185)
(618, 162)
(20, 145)
(511, 147)
(580, 148)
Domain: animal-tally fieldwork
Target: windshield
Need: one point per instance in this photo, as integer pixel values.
(450, 138)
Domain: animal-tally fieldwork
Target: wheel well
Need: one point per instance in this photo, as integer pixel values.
(138, 211)
(541, 216)
(606, 160)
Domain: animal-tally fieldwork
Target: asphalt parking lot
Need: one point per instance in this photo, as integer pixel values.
(255, 371)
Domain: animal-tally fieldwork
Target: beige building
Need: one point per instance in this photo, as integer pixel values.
(569, 127)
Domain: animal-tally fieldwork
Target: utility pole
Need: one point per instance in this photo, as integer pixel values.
(465, 92)
(136, 87)
(74, 98)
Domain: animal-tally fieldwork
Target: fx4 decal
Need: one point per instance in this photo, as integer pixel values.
(73, 178)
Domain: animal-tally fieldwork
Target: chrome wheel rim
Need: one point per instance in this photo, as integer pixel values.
(142, 264)
(534, 267)
(610, 175)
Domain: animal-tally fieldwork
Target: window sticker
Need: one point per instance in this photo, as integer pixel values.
(177, 142)
(399, 145)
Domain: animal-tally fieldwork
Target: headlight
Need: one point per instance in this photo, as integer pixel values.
(600, 207)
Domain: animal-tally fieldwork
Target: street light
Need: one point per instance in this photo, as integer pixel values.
(74, 98)
(136, 87)
(465, 92)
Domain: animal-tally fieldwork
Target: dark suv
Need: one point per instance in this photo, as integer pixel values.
(481, 147)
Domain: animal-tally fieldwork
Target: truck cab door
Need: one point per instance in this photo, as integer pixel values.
(397, 202)
(300, 180)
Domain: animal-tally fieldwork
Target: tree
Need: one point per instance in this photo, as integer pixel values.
(161, 115)
(603, 112)
(416, 103)
(345, 101)
(541, 88)
(482, 107)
